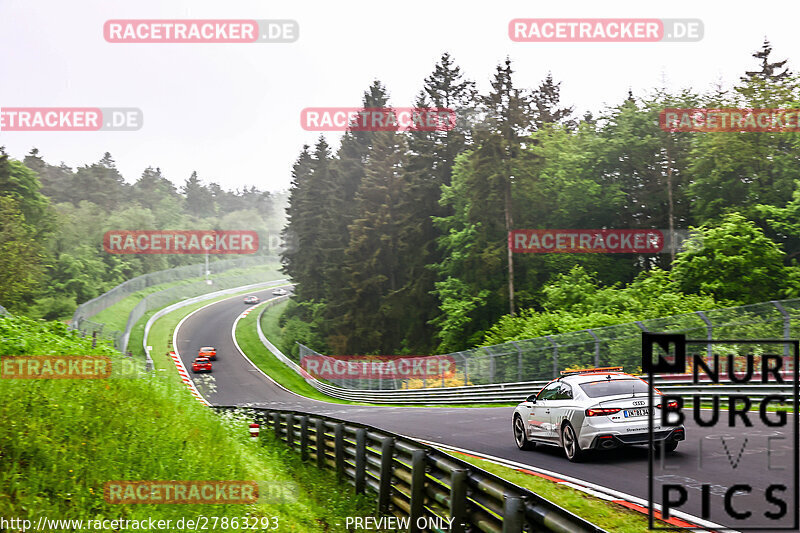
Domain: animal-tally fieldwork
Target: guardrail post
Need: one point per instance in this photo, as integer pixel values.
(262, 432)
(94, 339)
(787, 323)
(304, 437)
(513, 514)
(338, 434)
(276, 419)
(555, 355)
(290, 429)
(596, 348)
(361, 460)
(385, 478)
(458, 500)
(417, 505)
(319, 428)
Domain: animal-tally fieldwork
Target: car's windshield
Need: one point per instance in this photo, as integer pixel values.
(613, 387)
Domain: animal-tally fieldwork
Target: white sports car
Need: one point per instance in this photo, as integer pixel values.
(598, 408)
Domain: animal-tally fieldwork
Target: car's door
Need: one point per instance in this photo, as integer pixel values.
(560, 405)
(539, 421)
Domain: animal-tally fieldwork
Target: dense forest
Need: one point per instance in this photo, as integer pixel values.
(53, 217)
(402, 236)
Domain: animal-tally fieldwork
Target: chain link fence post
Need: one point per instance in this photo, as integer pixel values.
(519, 360)
(709, 335)
(596, 348)
(787, 324)
(555, 355)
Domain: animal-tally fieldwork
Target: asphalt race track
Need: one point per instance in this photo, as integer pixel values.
(718, 457)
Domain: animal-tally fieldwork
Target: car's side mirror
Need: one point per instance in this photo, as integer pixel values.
(531, 398)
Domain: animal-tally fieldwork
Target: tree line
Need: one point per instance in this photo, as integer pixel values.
(53, 217)
(401, 237)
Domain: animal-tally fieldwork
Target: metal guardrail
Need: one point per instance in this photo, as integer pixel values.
(414, 481)
(497, 393)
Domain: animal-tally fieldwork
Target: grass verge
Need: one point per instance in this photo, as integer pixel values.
(63, 439)
(608, 515)
(247, 337)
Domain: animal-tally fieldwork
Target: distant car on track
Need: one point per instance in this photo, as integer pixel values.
(201, 364)
(251, 299)
(209, 352)
(594, 408)
(280, 292)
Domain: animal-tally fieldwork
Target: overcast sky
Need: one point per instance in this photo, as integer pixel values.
(231, 111)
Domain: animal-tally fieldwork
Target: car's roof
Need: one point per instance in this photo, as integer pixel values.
(206, 348)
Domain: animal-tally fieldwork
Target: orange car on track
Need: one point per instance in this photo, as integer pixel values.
(208, 351)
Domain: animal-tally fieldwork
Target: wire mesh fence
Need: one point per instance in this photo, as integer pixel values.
(82, 323)
(542, 358)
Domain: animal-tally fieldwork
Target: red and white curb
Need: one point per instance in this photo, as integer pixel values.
(678, 518)
(251, 309)
(186, 379)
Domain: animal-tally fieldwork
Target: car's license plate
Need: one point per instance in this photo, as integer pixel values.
(630, 413)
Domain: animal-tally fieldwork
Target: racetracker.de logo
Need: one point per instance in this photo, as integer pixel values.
(605, 30)
(378, 119)
(201, 31)
(70, 119)
(626, 241)
(730, 120)
(55, 367)
(180, 492)
(180, 242)
(379, 366)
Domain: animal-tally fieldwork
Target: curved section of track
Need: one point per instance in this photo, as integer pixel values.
(488, 430)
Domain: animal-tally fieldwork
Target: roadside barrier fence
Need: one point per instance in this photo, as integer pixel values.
(425, 488)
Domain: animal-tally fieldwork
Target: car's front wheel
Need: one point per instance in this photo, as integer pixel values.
(569, 440)
(519, 435)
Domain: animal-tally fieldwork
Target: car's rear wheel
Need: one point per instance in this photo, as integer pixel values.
(519, 435)
(569, 440)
